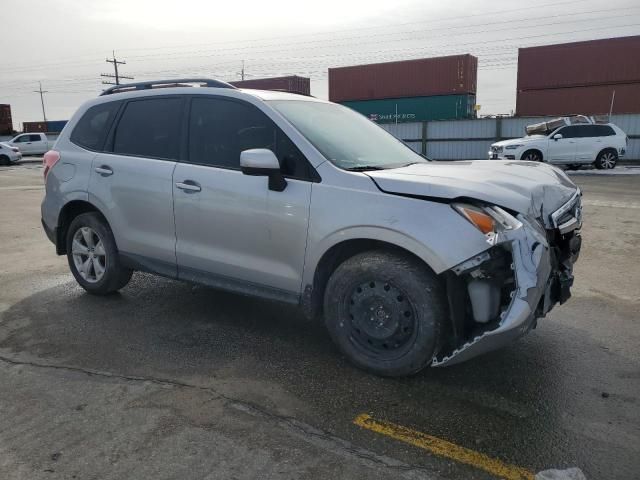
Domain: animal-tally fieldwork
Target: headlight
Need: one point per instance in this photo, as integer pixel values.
(489, 219)
(513, 147)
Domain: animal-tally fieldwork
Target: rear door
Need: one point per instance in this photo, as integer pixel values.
(232, 231)
(132, 181)
(563, 150)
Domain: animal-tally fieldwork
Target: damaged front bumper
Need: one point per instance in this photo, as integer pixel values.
(539, 261)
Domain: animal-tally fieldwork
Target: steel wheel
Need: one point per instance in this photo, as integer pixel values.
(89, 255)
(383, 321)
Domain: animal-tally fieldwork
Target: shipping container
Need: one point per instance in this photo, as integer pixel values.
(55, 126)
(33, 127)
(292, 84)
(416, 109)
(455, 74)
(6, 122)
(579, 100)
(596, 62)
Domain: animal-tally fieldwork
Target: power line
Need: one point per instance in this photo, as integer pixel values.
(117, 77)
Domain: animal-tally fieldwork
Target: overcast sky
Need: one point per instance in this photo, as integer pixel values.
(64, 43)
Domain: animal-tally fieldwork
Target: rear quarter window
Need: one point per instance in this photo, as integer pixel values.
(91, 130)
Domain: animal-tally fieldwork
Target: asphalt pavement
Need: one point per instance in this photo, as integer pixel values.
(171, 380)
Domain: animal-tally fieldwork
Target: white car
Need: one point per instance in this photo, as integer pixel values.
(571, 141)
(31, 143)
(9, 154)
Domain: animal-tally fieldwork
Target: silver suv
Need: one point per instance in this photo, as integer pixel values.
(410, 262)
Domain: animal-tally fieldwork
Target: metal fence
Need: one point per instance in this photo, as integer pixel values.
(470, 139)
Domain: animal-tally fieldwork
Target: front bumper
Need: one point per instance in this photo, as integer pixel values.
(503, 154)
(542, 265)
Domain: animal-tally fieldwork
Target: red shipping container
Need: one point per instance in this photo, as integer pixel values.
(455, 74)
(292, 84)
(34, 127)
(579, 100)
(596, 62)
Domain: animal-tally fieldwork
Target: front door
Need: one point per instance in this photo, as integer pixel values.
(563, 150)
(232, 231)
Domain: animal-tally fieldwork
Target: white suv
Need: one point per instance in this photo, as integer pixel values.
(563, 142)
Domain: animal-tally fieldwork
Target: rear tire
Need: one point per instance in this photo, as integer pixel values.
(607, 159)
(385, 311)
(93, 257)
(531, 156)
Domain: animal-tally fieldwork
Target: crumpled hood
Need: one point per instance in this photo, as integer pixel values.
(530, 188)
(519, 141)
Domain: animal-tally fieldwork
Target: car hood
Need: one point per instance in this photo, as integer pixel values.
(530, 188)
(519, 141)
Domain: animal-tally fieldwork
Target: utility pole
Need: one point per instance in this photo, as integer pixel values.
(242, 71)
(40, 91)
(117, 76)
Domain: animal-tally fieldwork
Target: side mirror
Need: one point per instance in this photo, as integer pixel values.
(262, 162)
(557, 136)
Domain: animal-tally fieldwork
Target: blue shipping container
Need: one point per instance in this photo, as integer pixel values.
(56, 126)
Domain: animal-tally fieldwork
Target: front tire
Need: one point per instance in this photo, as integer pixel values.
(531, 156)
(4, 160)
(93, 256)
(606, 160)
(385, 312)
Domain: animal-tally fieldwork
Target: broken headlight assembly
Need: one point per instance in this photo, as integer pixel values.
(491, 220)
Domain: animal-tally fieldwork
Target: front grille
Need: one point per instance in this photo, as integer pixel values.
(496, 149)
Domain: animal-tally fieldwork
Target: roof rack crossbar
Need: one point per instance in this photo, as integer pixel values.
(209, 82)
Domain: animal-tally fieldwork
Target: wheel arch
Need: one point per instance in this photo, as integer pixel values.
(532, 149)
(70, 211)
(607, 149)
(315, 284)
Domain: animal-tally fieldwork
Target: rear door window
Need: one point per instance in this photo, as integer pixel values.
(35, 138)
(150, 128)
(91, 130)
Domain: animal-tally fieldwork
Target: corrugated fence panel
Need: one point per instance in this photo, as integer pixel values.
(633, 150)
(482, 128)
(458, 149)
(404, 131)
(629, 123)
(514, 127)
(415, 146)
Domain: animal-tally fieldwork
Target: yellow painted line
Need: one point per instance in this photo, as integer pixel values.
(443, 448)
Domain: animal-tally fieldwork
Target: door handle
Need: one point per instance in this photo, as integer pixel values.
(104, 170)
(189, 186)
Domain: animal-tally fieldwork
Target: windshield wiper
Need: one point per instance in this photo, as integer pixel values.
(364, 168)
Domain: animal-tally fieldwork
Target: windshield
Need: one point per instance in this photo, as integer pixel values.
(345, 137)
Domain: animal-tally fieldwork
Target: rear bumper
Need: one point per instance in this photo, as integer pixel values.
(50, 232)
(543, 277)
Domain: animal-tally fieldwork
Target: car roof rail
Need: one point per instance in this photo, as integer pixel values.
(128, 87)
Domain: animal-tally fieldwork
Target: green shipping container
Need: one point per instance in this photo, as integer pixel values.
(416, 109)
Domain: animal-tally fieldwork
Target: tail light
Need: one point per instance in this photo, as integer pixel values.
(49, 160)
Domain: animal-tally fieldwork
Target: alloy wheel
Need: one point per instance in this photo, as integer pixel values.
(608, 160)
(89, 256)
